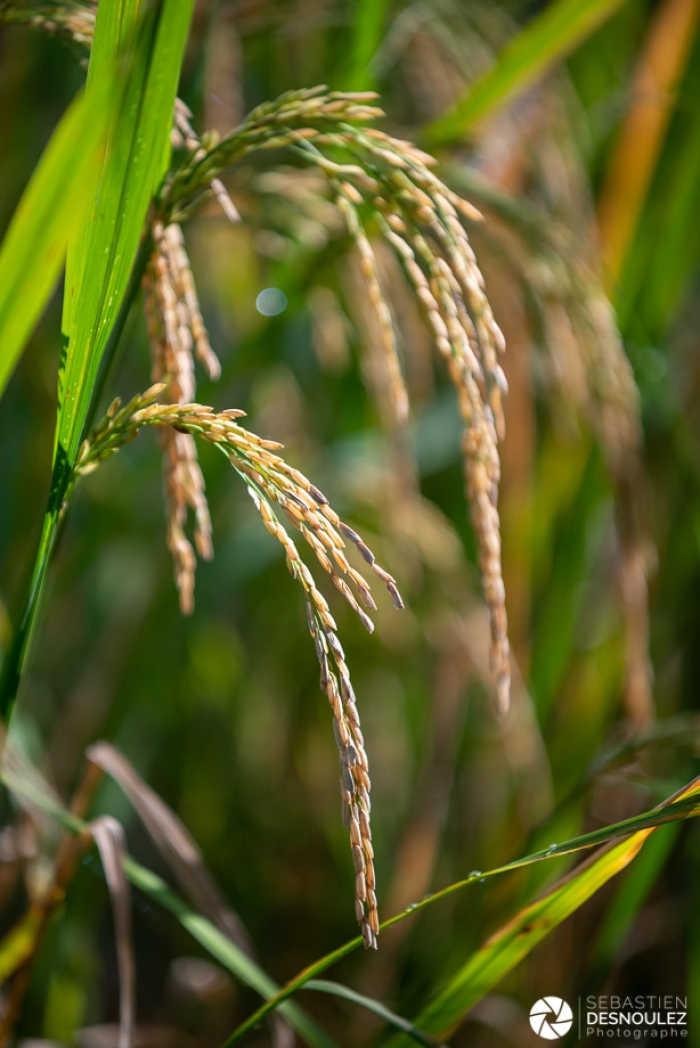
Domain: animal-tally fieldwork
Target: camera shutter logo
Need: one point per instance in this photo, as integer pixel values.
(551, 1018)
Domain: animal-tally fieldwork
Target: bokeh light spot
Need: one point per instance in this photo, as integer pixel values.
(271, 301)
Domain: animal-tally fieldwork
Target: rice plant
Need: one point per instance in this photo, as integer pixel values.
(171, 219)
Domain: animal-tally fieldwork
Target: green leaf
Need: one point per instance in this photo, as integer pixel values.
(146, 48)
(338, 990)
(549, 38)
(504, 950)
(684, 804)
(368, 28)
(49, 214)
(100, 260)
(632, 892)
(223, 950)
(20, 941)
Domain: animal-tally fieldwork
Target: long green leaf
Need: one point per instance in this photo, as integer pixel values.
(549, 38)
(368, 28)
(397, 1021)
(116, 34)
(223, 950)
(631, 894)
(500, 954)
(101, 259)
(503, 951)
(147, 48)
(685, 804)
(49, 214)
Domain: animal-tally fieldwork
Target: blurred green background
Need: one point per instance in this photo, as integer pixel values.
(221, 712)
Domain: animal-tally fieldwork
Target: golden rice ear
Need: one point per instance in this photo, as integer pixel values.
(176, 333)
(278, 488)
(392, 182)
(421, 220)
(346, 198)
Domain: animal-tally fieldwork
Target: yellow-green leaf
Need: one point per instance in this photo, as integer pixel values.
(504, 950)
(49, 214)
(548, 38)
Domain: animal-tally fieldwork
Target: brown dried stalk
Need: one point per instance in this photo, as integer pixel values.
(274, 485)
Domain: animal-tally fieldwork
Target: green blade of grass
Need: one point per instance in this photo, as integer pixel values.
(223, 950)
(632, 893)
(49, 214)
(684, 804)
(338, 990)
(115, 37)
(504, 950)
(511, 944)
(549, 38)
(101, 258)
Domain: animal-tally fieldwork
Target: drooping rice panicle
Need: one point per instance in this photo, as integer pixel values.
(336, 685)
(276, 486)
(346, 198)
(176, 331)
(305, 506)
(422, 219)
(392, 178)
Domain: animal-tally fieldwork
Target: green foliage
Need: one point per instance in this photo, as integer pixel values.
(550, 37)
(487, 966)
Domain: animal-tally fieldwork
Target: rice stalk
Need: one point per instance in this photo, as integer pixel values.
(389, 182)
(392, 180)
(584, 361)
(176, 333)
(277, 488)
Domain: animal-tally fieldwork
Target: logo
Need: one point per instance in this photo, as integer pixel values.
(551, 1018)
